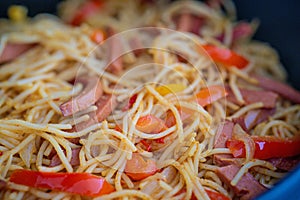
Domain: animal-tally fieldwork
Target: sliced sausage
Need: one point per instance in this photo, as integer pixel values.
(136, 45)
(2, 184)
(282, 89)
(89, 95)
(254, 117)
(13, 50)
(247, 187)
(115, 51)
(74, 160)
(187, 22)
(105, 106)
(224, 133)
(286, 164)
(254, 96)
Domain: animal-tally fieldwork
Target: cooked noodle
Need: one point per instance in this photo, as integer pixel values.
(34, 85)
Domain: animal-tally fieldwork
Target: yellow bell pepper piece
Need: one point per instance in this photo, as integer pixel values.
(169, 88)
(17, 13)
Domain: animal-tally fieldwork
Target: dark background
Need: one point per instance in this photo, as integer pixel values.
(279, 26)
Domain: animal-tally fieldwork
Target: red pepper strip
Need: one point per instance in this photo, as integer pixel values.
(131, 101)
(138, 168)
(216, 195)
(86, 10)
(146, 144)
(267, 147)
(226, 56)
(84, 184)
(211, 94)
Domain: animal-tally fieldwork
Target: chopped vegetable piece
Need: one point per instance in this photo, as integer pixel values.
(86, 10)
(131, 101)
(225, 56)
(267, 147)
(146, 144)
(170, 88)
(77, 183)
(98, 36)
(138, 168)
(17, 13)
(216, 195)
(211, 94)
(150, 124)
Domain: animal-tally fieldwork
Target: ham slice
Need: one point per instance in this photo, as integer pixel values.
(105, 106)
(254, 96)
(89, 95)
(115, 51)
(282, 89)
(253, 117)
(187, 22)
(224, 133)
(74, 160)
(2, 184)
(242, 30)
(13, 50)
(286, 164)
(247, 187)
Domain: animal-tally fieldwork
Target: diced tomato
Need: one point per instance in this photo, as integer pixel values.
(267, 147)
(150, 124)
(1, 153)
(87, 9)
(131, 101)
(225, 56)
(98, 36)
(84, 184)
(138, 168)
(211, 94)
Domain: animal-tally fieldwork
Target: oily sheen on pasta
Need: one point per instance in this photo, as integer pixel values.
(142, 100)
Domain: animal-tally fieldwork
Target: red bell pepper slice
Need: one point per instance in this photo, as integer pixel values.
(211, 94)
(84, 184)
(138, 168)
(225, 56)
(266, 147)
(131, 101)
(86, 10)
(216, 195)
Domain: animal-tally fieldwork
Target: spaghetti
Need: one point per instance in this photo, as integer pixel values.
(164, 101)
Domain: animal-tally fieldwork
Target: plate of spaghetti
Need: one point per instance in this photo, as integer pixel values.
(142, 100)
